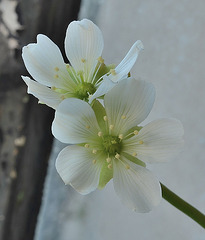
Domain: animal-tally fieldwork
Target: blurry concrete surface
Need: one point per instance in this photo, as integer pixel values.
(173, 35)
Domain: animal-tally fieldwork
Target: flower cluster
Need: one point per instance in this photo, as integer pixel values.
(107, 140)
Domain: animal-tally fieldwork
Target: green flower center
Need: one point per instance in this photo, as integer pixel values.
(83, 90)
(111, 145)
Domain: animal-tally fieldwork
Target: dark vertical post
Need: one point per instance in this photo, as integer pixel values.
(25, 134)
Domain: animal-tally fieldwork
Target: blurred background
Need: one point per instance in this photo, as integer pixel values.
(34, 202)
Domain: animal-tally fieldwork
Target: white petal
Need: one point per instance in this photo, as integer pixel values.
(75, 166)
(127, 63)
(162, 140)
(83, 41)
(75, 122)
(43, 93)
(130, 99)
(104, 87)
(42, 59)
(137, 187)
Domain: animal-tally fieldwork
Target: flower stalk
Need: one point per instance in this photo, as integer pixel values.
(183, 206)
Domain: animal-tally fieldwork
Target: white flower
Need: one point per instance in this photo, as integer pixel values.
(56, 80)
(110, 144)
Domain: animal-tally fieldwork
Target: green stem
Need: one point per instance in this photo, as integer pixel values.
(183, 206)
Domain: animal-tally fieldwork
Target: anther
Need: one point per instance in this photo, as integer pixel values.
(100, 134)
(141, 142)
(135, 132)
(83, 60)
(127, 166)
(105, 118)
(100, 59)
(117, 156)
(94, 151)
(111, 127)
(56, 76)
(56, 69)
(134, 154)
(94, 161)
(80, 72)
(112, 71)
(123, 117)
(86, 145)
(120, 136)
(53, 88)
(108, 160)
(87, 126)
(109, 166)
(62, 97)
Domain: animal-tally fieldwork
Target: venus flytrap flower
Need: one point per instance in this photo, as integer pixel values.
(56, 81)
(109, 143)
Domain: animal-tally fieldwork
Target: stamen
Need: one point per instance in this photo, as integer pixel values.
(105, 118)
(112, 71)
(127, 166)
(109, 166)
(135, 132)
(134, 154)
(100, 59)
(141, 142)
(87, 126)
(80, 72)
(111, 127)
(120, 136)
(96, 81)
(117, 156)
(62, 97)
(53, 88)
(56, 76)
(123, 117)
(83, 60)
(94, 151)
(56, 69)
(81, 75)
(94, 161)
(100, 134)
(86, 145)
(72, 73)
(108, 160)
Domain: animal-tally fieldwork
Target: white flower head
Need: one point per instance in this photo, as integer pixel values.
(86, 77)
(109, 143)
